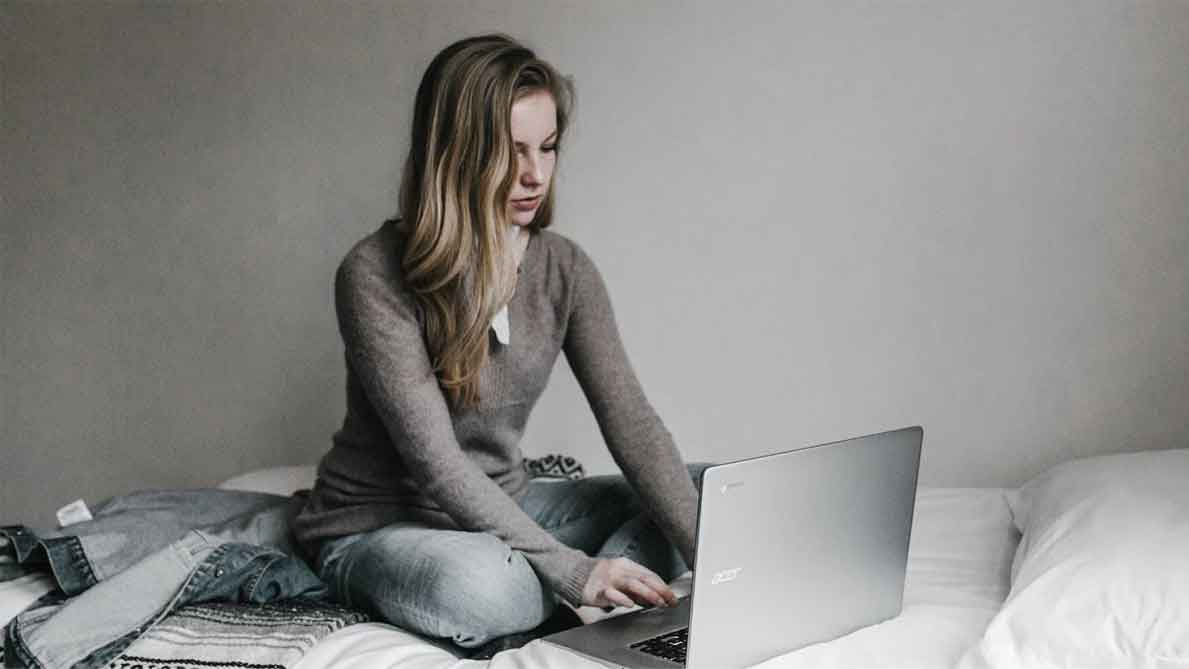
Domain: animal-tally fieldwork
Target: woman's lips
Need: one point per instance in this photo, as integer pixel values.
(526, 204)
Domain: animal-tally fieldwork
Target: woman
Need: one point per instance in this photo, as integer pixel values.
(452, 319)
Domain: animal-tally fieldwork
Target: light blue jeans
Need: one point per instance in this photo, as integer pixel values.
(471, 587)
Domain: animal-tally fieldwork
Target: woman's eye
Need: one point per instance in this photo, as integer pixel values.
(550, 149)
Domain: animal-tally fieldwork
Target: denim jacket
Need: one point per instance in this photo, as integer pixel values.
(143, 556)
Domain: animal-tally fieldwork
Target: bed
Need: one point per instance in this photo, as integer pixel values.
(1085, 566)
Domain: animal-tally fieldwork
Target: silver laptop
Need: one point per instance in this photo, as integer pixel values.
(793, 548)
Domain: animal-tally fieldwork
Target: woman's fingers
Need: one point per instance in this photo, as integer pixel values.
(622, 582)
(659, 592)
(643, 593)
(662, 589)
(617, 598)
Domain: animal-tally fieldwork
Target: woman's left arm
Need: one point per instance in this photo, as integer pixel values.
(635, 435)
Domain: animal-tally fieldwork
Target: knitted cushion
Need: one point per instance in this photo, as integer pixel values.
(554, 466)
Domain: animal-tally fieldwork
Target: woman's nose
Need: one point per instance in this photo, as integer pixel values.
(531, 173)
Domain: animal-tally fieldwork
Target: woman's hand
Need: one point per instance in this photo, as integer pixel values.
(622, 582)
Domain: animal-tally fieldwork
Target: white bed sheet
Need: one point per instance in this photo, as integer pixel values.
(959, 567)
(959, 571)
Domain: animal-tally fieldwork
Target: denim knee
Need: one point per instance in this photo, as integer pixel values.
(468, 587)
(487, 591)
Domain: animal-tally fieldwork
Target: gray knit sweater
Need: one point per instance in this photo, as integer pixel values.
(404, 454)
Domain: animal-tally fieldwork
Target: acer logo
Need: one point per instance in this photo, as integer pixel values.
(726, 575)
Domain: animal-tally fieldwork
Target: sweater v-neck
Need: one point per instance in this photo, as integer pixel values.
(513, 302)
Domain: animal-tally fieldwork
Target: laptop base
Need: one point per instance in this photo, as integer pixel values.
(608, 641)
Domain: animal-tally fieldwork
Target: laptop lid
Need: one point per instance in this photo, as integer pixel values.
(801, 546)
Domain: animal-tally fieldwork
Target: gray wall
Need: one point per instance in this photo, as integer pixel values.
(816, 220)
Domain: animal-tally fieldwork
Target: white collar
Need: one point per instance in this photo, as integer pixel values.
(517, 242)
(503, 328)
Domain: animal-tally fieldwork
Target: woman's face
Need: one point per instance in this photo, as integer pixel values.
(534, 134)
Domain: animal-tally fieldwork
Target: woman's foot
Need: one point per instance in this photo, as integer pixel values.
(563, 618)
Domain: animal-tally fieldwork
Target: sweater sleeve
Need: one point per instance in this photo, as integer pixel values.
(386, 350)
(638, 440)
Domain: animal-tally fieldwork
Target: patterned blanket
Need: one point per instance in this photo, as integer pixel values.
(555, 466)
(242, 636)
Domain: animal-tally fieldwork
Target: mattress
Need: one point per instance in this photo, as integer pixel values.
(959, 573)
(959, 568)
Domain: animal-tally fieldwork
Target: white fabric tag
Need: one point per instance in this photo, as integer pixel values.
(517, 240)
(502, 327)
(74, 512)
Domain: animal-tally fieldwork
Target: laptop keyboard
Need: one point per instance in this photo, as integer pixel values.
(670, 646)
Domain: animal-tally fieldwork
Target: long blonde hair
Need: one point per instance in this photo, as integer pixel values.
(460, 171)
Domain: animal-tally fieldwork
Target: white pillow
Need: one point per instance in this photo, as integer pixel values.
(274, 480)
(1101, 575)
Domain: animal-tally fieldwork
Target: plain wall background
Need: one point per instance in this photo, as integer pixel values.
(816, 220)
